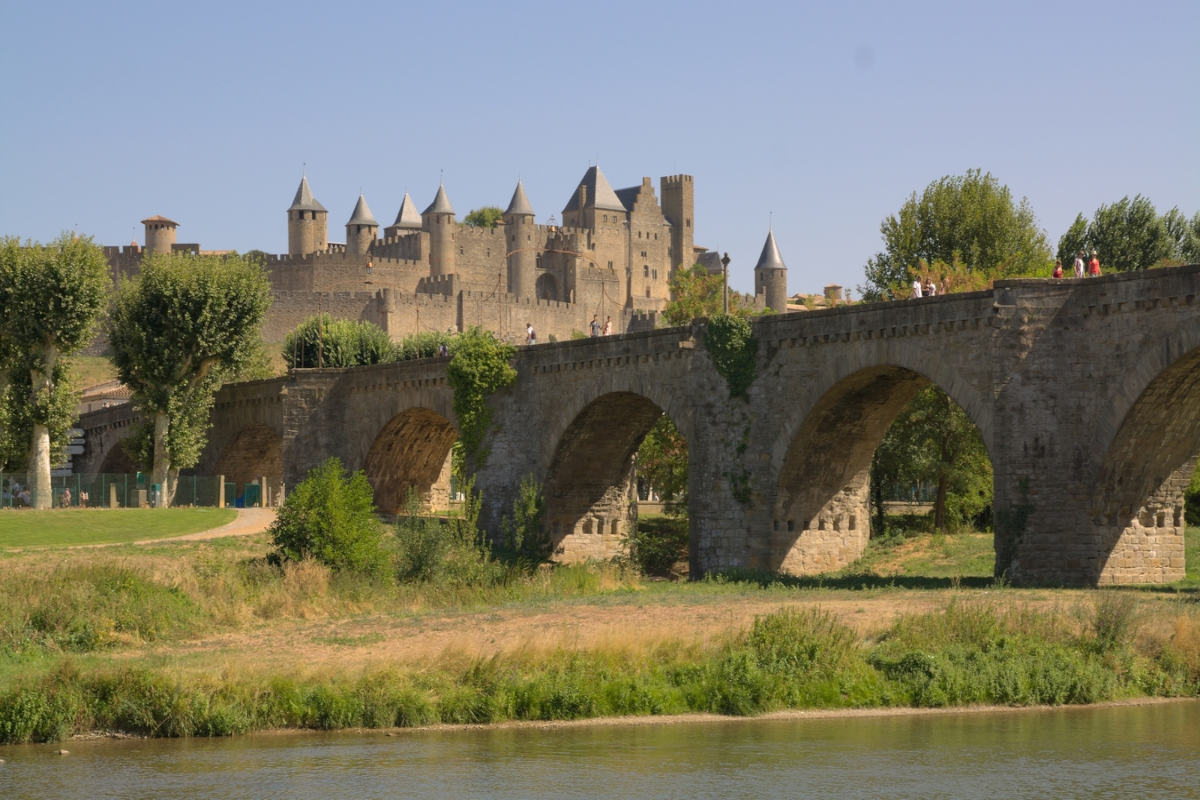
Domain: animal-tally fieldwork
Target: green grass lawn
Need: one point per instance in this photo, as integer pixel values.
(74, 526)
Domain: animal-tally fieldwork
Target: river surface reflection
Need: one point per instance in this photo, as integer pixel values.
(1150, 751)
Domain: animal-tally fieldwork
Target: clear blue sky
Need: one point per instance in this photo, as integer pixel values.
(821, 117)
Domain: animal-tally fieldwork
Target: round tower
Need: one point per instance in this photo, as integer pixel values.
(438, 221)
(519, 230)
(770, 276)
(308, 223)
(160, 234)
(361, 230)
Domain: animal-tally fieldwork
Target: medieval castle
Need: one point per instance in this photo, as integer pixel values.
(612, 257)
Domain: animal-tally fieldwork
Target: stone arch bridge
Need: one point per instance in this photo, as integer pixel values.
(1086, 393)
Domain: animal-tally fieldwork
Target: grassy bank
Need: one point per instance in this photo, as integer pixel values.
(78, 526)
(970, 653)
(208, 638)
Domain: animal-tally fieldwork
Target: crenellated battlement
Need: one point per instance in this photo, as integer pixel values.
(676, 180)
(438, 284)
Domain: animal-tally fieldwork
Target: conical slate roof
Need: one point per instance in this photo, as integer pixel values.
(519, 203)
(599, 193)
(304, 200)
(362, 215)
(770, 258)
(408, 216)
(440, 204)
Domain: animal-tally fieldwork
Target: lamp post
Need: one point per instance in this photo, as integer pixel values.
(725, 284)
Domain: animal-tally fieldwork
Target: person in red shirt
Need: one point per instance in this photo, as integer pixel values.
(1094, 265)
(1058, 268)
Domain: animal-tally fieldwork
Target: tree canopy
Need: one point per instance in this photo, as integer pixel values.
(50, 299)
(485, 217)
(697, 293)
(968, 219)
(1129, 235)
(177, 329)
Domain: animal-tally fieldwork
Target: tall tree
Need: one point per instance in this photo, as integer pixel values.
(1184, 235)
(1073, 242)
(934, 442)
(1129, 235)
(50, 299)
(177, 329)
(964, 231)
(969, 218)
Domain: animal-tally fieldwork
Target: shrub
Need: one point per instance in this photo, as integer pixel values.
(480, 366)
(524, 539)
(330, 518)
(327, 342)
(733, 349)
(658, 543)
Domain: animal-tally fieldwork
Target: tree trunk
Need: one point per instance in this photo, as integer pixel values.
(41, 386)
(939, 506)
(40, 492)
(162, 462)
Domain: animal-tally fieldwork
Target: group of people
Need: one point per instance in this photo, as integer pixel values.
(14, 495)
(925, 289)
(596, 327)
(1088, 269)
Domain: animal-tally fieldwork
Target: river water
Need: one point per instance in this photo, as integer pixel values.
(1150, 751)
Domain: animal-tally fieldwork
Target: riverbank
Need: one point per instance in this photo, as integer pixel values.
(206, 638)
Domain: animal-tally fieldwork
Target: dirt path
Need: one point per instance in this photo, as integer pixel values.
(249, 520)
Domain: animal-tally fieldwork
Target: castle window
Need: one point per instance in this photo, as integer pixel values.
(655, 274)
(647, 291)
(610, 265)
(643, 254)
(645, 270)
(460, 251)
(639, 234)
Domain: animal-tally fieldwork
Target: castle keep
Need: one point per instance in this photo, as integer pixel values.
(612, 256)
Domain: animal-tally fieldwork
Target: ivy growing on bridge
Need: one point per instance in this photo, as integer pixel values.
(480, 367)
(732, 347)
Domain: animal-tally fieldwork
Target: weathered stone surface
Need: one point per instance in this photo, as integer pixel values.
(1086, 394)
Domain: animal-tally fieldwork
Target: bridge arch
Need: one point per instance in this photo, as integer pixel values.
(252, 453)
(1137, 514)
(117, 461)
(820, 511)
(412, 452)
(590, 493)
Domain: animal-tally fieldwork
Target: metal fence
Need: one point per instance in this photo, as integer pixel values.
(121, 490)
(910, 493)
